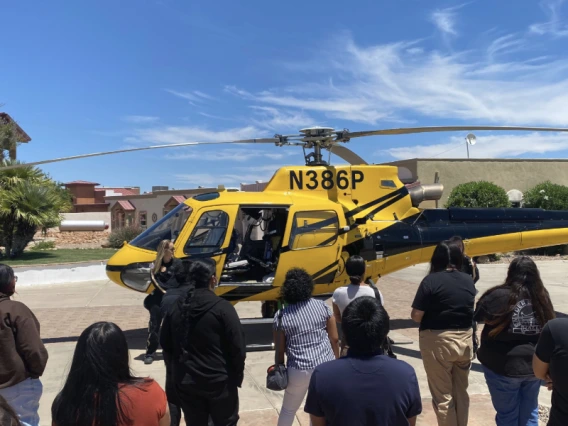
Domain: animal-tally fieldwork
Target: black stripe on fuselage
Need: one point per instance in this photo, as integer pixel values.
(359, 209)
(244, 291)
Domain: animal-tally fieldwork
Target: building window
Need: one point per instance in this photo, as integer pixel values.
(209, 233)
(142, 218)
(314, 229)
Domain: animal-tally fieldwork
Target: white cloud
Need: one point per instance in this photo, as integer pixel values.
(385, 82)
(554, 26)
(445, 20)
(231, 154)
(140, 119)
(230, 179)
(193, 97)
(183, 134)
(492, 146)
(280, 120)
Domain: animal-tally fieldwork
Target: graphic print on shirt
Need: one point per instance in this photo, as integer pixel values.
(524, 321)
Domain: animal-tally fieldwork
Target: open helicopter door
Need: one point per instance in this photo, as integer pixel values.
(211, 234)
(312, 242)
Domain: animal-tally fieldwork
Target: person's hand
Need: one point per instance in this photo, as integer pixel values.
(548, 382)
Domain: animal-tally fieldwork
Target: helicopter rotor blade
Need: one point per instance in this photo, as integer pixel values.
(176, 145)
(346, 154)
(410, 130)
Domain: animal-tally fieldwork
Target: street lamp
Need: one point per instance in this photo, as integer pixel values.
(469, 140)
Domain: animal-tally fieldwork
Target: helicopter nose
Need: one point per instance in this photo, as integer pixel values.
(130, 267)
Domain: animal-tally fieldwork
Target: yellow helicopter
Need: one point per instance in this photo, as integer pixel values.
(316, 216)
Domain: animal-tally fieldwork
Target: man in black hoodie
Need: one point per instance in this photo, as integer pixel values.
(203, 337)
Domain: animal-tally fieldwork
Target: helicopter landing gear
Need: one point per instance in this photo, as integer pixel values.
(269, 308)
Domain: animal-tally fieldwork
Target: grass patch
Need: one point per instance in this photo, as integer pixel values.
(59, 256)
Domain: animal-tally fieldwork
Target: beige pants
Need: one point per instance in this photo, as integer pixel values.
(447, 356)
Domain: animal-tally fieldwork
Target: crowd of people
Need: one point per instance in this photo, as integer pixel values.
(337, 358)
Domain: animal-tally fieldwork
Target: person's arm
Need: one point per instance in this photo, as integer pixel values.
(415, 399)
(166, 420)
(317, 421)
(417, 315)
(412, 421)
(333, 335)
(281, 345)
(543, 354)
(421, 301)
(28, 342)
(234, 335)
(336, 313)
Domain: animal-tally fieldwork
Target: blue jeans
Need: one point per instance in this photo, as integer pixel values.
(514, 398)
(24, 399)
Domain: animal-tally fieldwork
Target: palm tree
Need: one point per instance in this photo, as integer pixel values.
(29, 201)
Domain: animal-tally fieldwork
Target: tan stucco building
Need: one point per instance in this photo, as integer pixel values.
(510, 174)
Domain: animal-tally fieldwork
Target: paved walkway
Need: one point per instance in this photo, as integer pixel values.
(65, 310)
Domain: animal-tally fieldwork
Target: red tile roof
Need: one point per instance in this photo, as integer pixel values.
(126, 205)
(23, 136)
(179, 198)
(123, 191)
(81, 182)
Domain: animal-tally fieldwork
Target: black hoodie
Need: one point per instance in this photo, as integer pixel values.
(215, 352)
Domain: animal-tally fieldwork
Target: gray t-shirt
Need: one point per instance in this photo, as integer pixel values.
(343, 296)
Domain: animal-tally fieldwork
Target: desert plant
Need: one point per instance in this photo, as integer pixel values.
(481, 194)
(548, 196)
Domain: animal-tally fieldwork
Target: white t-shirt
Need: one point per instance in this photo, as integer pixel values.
(345, 295)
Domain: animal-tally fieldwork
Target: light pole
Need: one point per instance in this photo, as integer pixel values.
(469, 140)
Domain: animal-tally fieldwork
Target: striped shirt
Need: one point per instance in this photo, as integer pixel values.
(305, 327)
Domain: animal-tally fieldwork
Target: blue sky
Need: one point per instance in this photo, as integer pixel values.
(84, 77)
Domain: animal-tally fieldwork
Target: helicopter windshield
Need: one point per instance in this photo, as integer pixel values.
(167, 228)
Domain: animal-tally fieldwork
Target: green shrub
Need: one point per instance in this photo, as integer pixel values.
(481, 194)
(43, 245)
(548, 196)
(118, 236)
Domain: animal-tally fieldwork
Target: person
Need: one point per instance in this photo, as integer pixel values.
(443, 306)
(307, 334)
(342, 296)
(100, 388)
(8, 416)
(468, 265)
(514, 314)
(23, 356)
(203, 337)
(345, 392)
(180, 273)
(550, 363)
(162, 277)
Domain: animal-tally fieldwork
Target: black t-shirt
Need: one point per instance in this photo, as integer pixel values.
(447, 299)
(510, 352)
(166, 279)
(552, 348)
(469, 269)
(346, 391)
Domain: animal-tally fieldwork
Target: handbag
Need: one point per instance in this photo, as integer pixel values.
(277, 374)
(387, 344)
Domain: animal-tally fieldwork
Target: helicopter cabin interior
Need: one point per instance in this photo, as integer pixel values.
(257, 240)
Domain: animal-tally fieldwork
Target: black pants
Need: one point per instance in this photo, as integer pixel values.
(216, 405)
(152, 302)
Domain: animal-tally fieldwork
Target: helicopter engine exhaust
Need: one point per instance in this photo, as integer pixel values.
(425, 193)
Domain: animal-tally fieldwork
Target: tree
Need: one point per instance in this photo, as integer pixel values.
(29, 201)
(8, 138)
(481, 194)
(548, 196)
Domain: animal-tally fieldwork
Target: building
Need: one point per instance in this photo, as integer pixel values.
(146, 209)
(87, 198)
(22, 137)
(514, 175)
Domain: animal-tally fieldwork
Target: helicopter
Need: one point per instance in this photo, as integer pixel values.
(318, 215)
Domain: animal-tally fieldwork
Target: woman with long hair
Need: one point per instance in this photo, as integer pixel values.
(514, 314)
(343, 296)
(162, 278)
(100, 388)
(443, 306)
(203, 337)
(307, 333)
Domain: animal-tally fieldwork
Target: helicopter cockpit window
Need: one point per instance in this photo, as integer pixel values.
(167, 228)
(209, 233)
(314, 229)
(388, 184)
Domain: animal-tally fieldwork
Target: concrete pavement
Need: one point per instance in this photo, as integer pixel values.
(65, 310)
